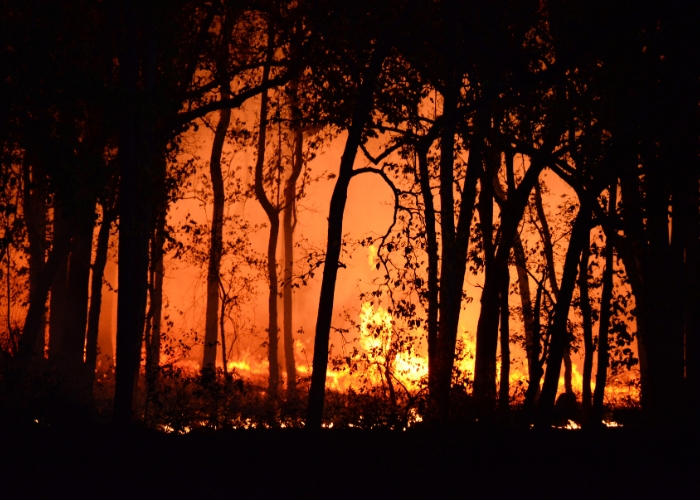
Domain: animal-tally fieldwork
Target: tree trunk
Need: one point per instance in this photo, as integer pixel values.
(361, 113)
(156, 307)
(134, 221)
(98, 268)
(71, 361)
(532, 341)
(57, 303)
(487, 327)
(504, 388)
(272, 213)
(216, 244)
(604, 324)
(552, 276)
(533, 389)
(587, 319)
(633, 250)
(558, 331)
(432, 250)
(34, 320)
(105, 342)
(289, 222)
(35, 219)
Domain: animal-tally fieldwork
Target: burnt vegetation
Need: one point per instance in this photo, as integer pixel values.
(542, 160)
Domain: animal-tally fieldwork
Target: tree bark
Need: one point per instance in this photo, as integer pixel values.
(216, 242)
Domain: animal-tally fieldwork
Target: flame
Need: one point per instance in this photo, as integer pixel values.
(372, 255)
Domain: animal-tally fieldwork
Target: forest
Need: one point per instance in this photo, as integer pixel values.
(236, 214)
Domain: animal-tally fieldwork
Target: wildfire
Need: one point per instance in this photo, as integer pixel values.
(372, 255)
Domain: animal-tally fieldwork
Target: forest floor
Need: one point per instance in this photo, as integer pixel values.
(96, 462)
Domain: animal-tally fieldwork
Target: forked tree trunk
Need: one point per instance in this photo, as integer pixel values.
(288, 224)
(216, 244)
(487, 327)
(604, 323)
(552, 277)
(558, 333)
(272, 213)
(455, 247)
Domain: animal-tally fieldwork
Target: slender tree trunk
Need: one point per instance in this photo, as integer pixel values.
(216, 244)
(633, 250)
(288, 223)
(487, 327)
(272, 213)
(587, 319)
(224, 360)
(504, 388)
(98, 268)
(604, 324)
(59, 295)
(361, 113)
(552, 277)
(533, 389)
(532, 341)
(156, 307)
(491, 273)
(558, 331)
(433, 263)
(105, 342)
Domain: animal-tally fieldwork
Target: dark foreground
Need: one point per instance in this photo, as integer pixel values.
(432, 463)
